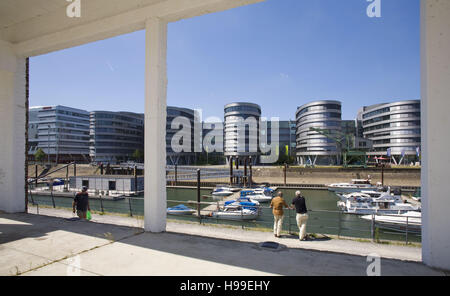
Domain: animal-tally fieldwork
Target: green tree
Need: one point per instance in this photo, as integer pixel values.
(138, 155)
(39, 155)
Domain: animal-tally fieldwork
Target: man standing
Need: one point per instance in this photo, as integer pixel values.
(302, 214)
(277, 205)
(81, 201)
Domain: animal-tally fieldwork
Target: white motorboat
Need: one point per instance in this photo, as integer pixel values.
(411, 221)
(259, 195)
(220, 191)
(383, 205)
(180, 210)
(243, 201)
(236, 213)
(353, 196)
(228, 187)
(355, 186)
(368, 196)
(378, 192)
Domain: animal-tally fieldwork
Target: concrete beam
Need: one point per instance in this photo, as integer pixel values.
(155, 199)
(169, 11)
(435, 59)
(12, 130)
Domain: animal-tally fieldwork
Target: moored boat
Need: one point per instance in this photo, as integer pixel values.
(409, 221)
(383, 205)
(260, 195)
(355, 186)
(180, 210)
(236, 213)
(220, 191)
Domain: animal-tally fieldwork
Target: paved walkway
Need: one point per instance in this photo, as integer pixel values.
(52, 244)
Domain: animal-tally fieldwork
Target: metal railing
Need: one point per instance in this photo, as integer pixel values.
(320, 221)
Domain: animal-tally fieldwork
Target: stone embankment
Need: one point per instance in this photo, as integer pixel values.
(409, 177)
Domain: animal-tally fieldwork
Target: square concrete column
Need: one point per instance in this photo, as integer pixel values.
(12, 130)
(155, 200)
(435, 59)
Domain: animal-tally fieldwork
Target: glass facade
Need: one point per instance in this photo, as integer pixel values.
(394, 127)
(115, 136)
(313, 147)
(243, 118)
(61, 132)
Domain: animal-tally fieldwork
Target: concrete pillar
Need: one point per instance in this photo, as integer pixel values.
(435, 87)
(12, 130)
(155, 125)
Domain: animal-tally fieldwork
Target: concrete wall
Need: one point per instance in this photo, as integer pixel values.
(12, 130)
(435, 56)
(392, 177)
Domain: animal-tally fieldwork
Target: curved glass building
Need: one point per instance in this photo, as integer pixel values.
(313, 147)
(245, 143)
(115, 136)
(394, 129)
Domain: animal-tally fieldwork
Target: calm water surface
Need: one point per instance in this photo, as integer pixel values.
(324, 217)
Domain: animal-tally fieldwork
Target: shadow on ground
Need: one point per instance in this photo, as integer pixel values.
(130, 251)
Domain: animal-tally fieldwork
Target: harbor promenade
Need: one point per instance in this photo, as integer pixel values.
(53, 243)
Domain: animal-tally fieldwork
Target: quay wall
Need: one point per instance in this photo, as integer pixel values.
(295, 175)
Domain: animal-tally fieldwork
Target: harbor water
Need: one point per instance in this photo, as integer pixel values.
(324, 216)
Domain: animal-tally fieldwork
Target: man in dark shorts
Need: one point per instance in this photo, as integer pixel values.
(302, 214)
(81, 202)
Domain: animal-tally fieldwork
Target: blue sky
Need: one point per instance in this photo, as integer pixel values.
(279, 54)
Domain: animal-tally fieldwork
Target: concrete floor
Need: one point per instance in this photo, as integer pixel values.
(112, 245)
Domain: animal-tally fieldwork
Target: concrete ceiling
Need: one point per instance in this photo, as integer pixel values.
(22, 20)
(35, 27)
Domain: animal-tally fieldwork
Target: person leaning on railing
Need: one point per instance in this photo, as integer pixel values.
(302, 214)
(277, 204)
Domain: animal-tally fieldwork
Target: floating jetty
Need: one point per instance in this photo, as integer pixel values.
(71, 194)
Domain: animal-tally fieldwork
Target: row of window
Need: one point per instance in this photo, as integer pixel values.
(397, 141)
(320, 116)
(242, 109)
(393, 116)
(393, 125)
(391, 109)
(118, 117)
(319, 108)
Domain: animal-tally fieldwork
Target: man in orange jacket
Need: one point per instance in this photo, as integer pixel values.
(277, 204)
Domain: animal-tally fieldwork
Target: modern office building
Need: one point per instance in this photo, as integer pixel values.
(33, 137)
(61, 132)
(212, 135)
(115, 136)
(394, 129)
(314, 148)
(178, 131)
(286, 146)
(241, 131)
